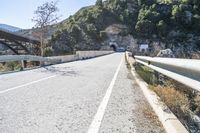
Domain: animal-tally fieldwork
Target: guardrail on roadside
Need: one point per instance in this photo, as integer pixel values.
(9, 58)
(185, 71)
(54, 59)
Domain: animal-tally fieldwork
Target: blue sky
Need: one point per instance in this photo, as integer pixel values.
(20, 12)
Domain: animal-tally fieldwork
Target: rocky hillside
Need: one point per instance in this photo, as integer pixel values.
(86, 29)
(170, 24)
(160, 23)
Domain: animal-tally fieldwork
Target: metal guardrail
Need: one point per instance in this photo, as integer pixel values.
(185, 71)
(54, 59)
(57, 59)
(9, 58)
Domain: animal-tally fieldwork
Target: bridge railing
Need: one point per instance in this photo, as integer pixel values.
(54, 59)
(185, 71)
(9, 58)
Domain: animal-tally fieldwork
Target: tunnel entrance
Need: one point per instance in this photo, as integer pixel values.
(114, 47)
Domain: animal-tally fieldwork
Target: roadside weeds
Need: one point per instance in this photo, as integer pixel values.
(167, 118)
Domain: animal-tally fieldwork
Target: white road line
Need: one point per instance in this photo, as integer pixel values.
(27, 84)
(96, 123)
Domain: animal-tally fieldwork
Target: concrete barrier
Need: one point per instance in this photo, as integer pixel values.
(78, 56)
(63, 59)
(54, 59)
(90, 54)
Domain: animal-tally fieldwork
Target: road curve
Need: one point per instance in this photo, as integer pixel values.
(66, 98)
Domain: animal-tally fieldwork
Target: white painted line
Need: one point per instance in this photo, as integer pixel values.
(27, 84)
(96, 123)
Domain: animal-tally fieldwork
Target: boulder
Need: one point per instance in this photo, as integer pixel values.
(166, 53)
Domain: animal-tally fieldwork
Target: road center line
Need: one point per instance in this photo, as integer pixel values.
(27, 84)
(96, 123)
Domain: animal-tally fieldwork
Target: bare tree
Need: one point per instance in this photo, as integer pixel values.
(45, 15)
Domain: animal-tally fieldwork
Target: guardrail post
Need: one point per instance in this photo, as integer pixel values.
(22, 65)
(42, 63)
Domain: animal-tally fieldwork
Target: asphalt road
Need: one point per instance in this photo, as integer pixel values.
(89, 96)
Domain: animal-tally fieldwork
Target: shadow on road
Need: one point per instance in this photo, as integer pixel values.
(64, 71)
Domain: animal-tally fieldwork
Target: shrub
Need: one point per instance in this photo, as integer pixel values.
(99, 3)
(48, 51)
(145, 27)
(1, 67)
(11, 66)
(103, 35)
(161, 28)
(145, 73)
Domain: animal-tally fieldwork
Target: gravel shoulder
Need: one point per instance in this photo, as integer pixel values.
(128, 111)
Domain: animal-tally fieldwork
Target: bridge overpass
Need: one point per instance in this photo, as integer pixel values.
(86, 96)
(19, 44)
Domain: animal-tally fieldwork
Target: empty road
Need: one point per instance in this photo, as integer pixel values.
(89, 96)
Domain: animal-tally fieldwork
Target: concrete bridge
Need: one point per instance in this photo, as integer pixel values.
(85, 96)
(97, 95)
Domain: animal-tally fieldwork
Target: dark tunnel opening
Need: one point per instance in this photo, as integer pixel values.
(113, 47)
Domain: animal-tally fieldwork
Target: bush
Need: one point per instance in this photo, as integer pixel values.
(145, 73)
(48, 51)
(11, 66)
(145, 27)
(99, 3)
(1, 67)
(162, 28)
(103, 35)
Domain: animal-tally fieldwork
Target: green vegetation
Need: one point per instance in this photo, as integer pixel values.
(145, 73)
(169, 21)
(10, 66)
(159, 18)
(82, 31)
(99, 3)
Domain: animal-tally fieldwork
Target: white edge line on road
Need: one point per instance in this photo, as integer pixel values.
(96, 123)
(27, 84)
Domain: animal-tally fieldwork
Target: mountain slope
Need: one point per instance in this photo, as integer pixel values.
(172, 24)
(9, 28)
(160, 23)
(85, 29)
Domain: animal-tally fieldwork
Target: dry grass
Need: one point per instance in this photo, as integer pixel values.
(127, 62)
(197, 104)
(180, 99)
(178, 102)
(149, 114)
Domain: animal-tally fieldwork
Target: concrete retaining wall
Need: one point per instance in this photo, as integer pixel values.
(80, 55)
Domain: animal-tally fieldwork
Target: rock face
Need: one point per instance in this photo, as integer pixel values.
(119, 36)
(188, 49)
(166, 53)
